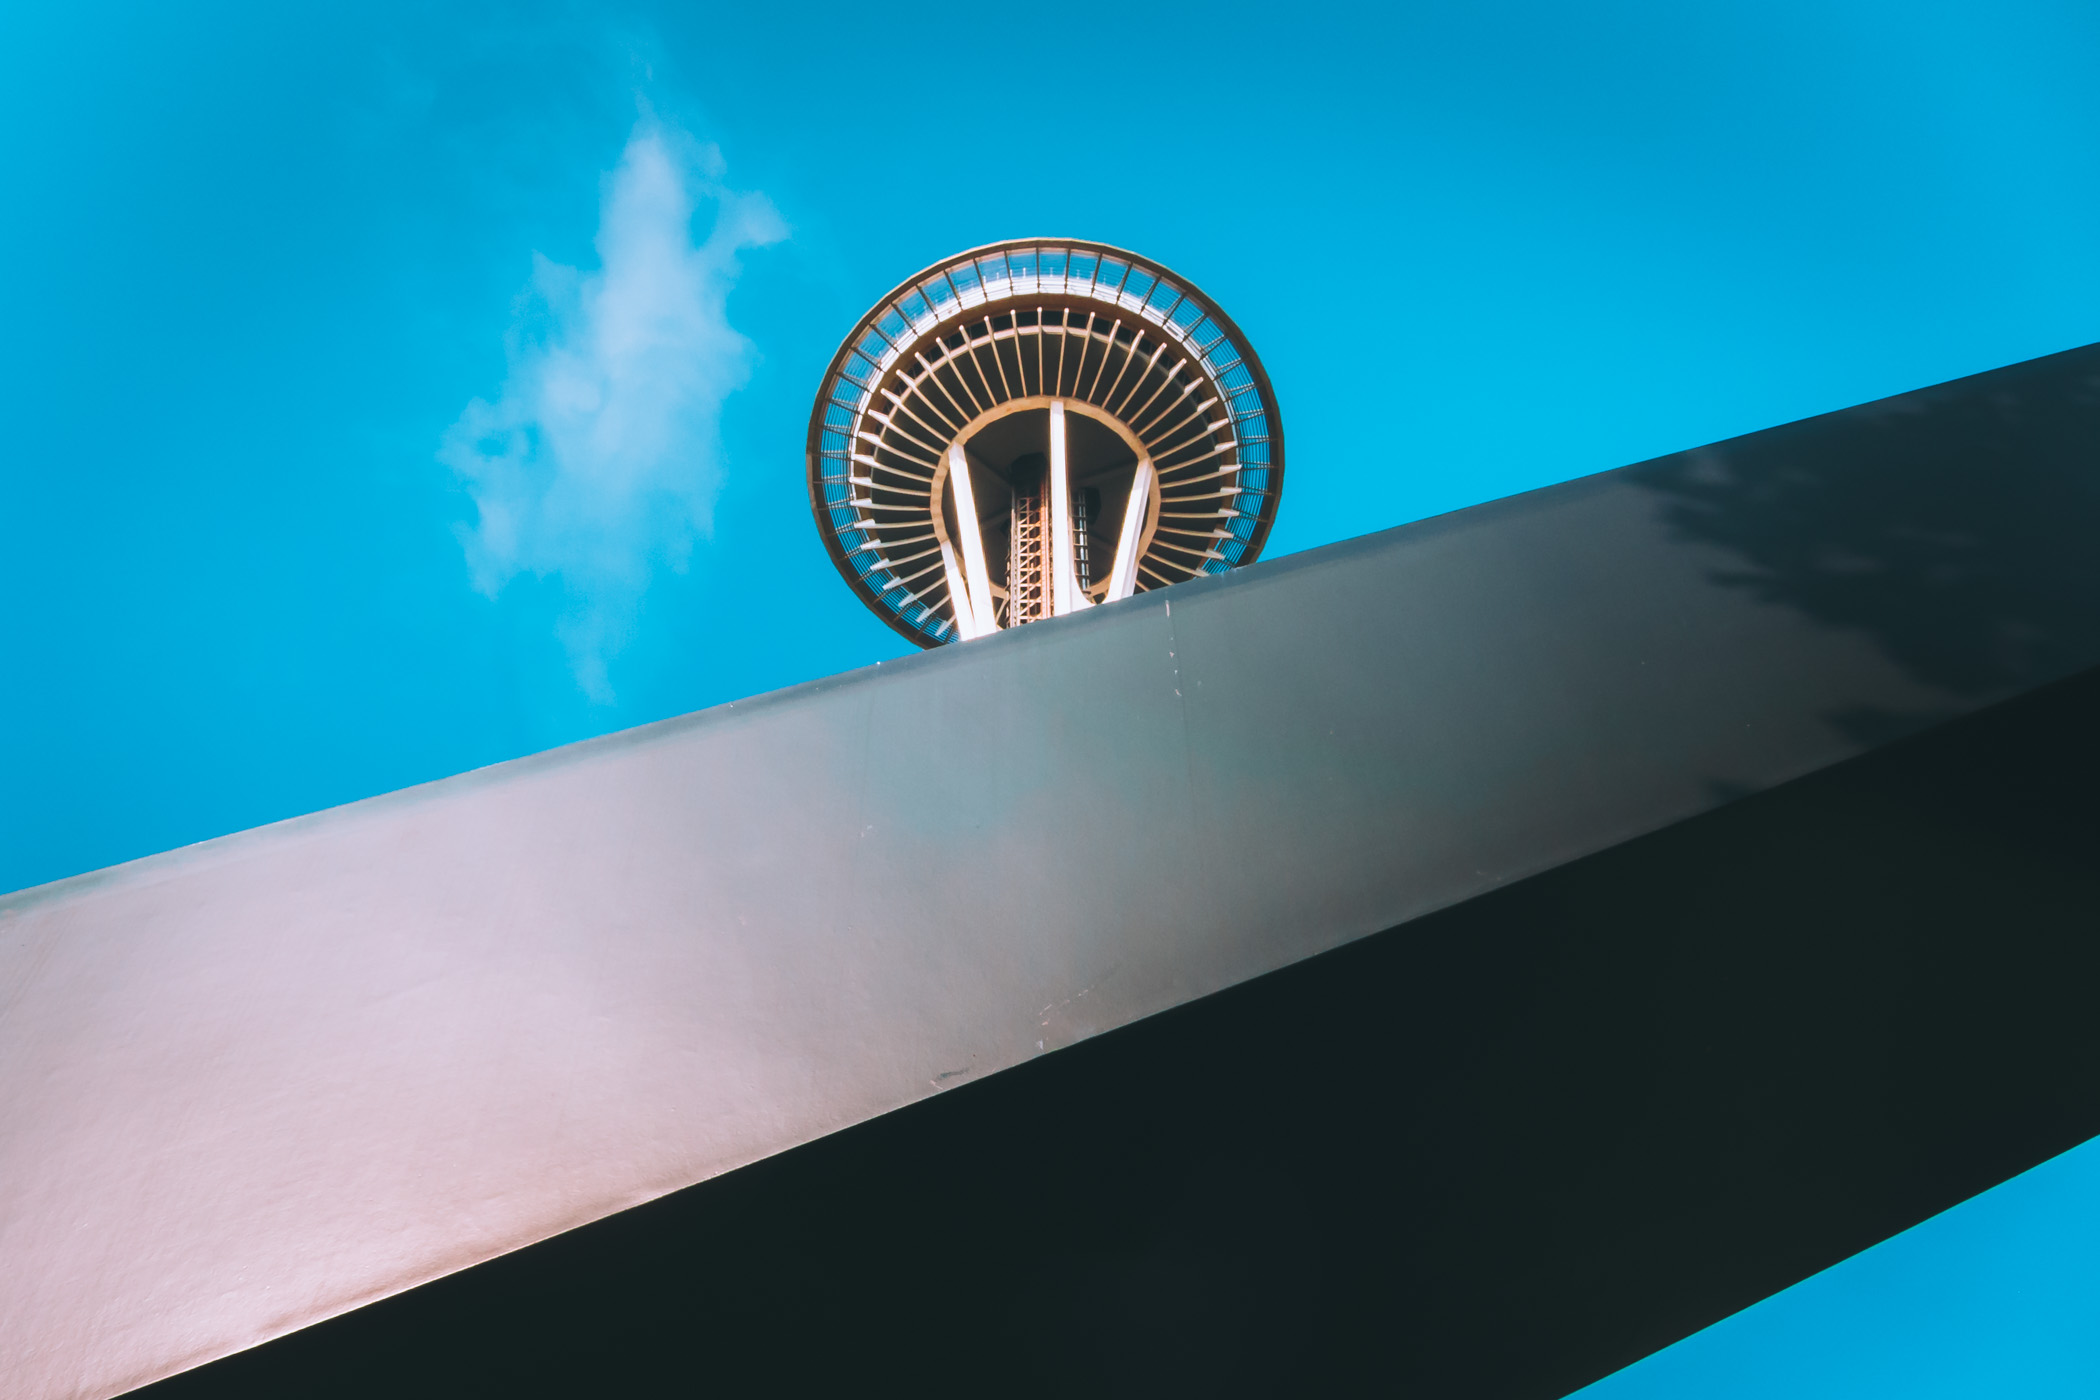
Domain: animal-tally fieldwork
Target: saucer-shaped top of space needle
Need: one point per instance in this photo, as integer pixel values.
(1037, 427)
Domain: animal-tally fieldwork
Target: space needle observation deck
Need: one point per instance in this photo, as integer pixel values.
(1036, 427)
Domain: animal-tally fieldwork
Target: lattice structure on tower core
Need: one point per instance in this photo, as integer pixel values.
(1027, 559)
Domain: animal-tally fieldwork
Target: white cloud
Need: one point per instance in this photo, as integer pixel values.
(601, 460)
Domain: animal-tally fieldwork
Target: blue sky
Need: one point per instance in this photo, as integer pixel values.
(265, 260)
(388, 390)
(1996, 1297)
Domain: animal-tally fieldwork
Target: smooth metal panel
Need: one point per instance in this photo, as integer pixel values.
(1496, 1152)
(259, 1081)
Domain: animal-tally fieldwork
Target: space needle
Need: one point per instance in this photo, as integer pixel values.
(1034, 428)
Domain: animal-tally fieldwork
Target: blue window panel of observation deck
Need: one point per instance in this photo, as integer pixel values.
(916, 308)
(940, 294)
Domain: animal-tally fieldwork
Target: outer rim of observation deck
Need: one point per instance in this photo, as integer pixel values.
(812, 449)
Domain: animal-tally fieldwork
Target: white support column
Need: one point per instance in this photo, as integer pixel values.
(959, 594)
(1064, 578)
(1122, 577)
(980, 579)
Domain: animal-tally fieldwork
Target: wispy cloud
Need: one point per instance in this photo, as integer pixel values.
(600, 461)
